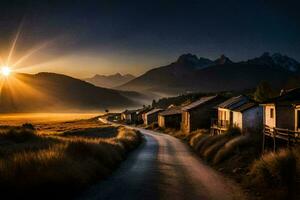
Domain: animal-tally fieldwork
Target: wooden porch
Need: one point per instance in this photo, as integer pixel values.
(218, 126)
(290, 137)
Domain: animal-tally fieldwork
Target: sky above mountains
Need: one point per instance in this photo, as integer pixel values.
(82, 38)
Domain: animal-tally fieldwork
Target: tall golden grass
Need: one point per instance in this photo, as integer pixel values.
(53, 166)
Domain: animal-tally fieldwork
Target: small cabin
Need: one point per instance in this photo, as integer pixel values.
(151, 116)
(283, 111)
(170, 118)
(239, 112)
(129, 116)
(281, 119)
(197, 115)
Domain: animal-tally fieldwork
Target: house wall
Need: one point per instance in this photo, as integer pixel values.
(185, 122)
(139, 118)
(252, 119)
(128, 118)
(161, 121)
(267, 120)
(170, 121)
(200, 117)
(237, 120)
(151, 118)
(285, 117)
(297, 118)
(144, 117)
(123, 116)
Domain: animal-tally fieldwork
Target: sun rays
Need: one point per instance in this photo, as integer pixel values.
(14, 86)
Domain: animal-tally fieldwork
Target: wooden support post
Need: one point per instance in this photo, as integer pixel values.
(274, 140)
(288, 143)
(263, 142)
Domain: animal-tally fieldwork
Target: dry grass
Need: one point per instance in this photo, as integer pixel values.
(232, 147)
(58, 165)
(277, 174)
(195, 139)
(210, 152)
(270, 176)
(275, 168)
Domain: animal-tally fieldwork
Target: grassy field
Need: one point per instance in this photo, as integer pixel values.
(42, 118)
(58, 159)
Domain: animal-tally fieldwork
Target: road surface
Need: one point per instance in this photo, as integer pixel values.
(163, 168)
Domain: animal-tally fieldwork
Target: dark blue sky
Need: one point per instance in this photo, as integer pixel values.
(132, 36)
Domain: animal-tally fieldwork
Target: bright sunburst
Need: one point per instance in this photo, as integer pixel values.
(5, 71)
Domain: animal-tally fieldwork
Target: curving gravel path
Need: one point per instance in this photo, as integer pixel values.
(164, 168)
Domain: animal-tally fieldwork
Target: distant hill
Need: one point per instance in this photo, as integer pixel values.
(192, 74)
(110, 81)
(49, 92)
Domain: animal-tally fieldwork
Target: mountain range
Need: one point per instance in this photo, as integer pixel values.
(49, 92)
(190, 74)
(110, 81)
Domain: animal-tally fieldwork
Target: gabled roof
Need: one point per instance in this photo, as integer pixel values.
(171, 111)
(198, 102)
(239, 103)
(291, 96)
(154, 111)
(234, 102)
(245, 106)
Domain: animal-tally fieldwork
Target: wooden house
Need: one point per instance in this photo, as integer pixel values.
(170, 118)
(281, 116)
(197, 115)
(151, 116)
(239, 112)
(140, 113)
(129, 116)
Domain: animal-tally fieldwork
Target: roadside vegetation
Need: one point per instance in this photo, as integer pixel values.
(59, 165)
(273, 175)
(277, 174)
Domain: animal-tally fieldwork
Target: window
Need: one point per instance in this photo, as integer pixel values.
(272, 113)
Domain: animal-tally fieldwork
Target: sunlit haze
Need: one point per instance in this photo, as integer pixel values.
(5, 71)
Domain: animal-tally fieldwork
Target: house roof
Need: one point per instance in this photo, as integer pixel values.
(143, 110)
(245, 106)
(291, 96)
(198, 102)
(171, 111)
(154, 111)
(129, 111)
(234, 102)
(239, 103)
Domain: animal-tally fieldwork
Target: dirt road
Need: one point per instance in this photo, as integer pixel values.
(164, 168)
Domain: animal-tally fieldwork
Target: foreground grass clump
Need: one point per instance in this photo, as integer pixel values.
(272, 167)
(58, 165)
(18, 134)
(277, 171)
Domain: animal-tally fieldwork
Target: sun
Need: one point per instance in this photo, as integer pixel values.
(5, 71)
